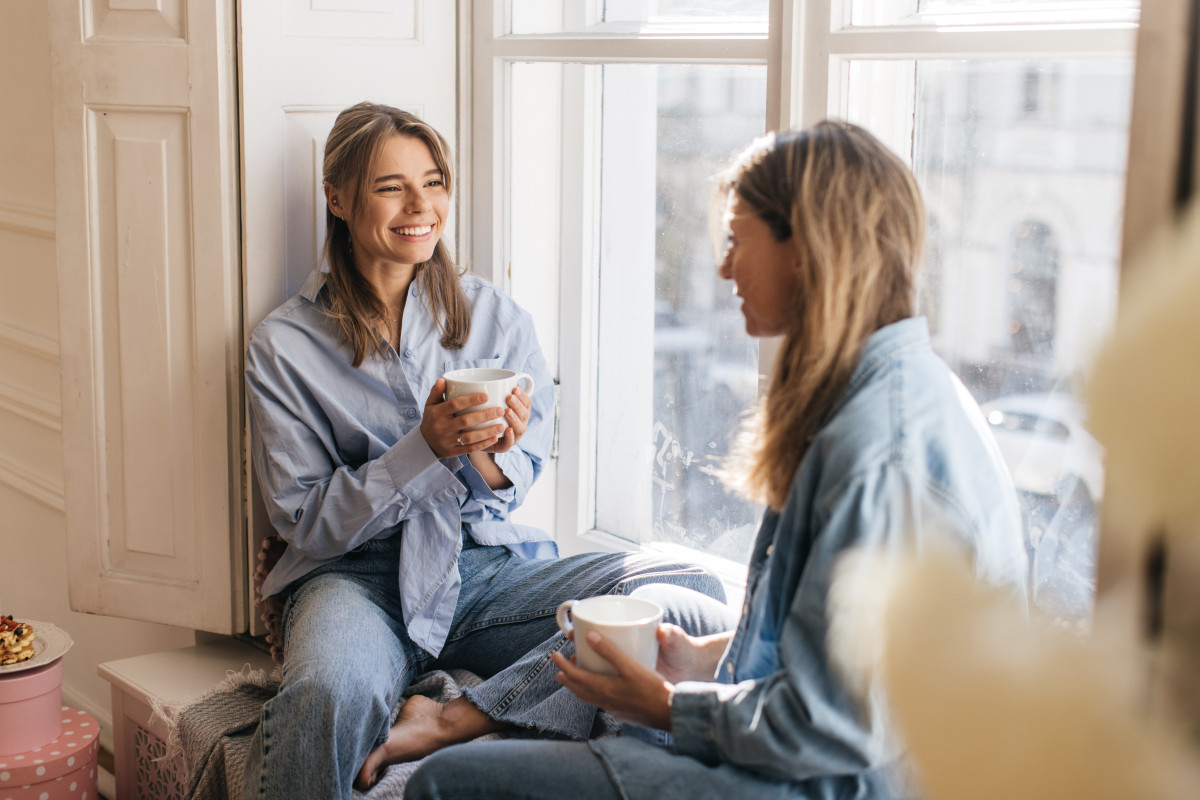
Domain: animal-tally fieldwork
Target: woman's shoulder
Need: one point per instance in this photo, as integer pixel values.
(298, 318)
(487, 298)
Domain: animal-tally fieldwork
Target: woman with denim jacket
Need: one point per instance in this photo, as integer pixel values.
(400, 554)
(864, 438)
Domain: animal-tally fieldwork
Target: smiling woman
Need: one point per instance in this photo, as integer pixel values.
(394, 499)
(385, 220)
(399, 221)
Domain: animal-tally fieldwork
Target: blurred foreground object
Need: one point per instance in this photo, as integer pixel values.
(1144, 393)
(1143, 400)
(992, 705)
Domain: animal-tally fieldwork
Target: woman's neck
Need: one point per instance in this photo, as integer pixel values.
(391, 283)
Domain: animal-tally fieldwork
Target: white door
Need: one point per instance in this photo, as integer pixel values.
(150, 314)
(302, 61)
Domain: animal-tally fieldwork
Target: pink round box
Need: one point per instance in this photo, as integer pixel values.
(30, 704)
(63, 769)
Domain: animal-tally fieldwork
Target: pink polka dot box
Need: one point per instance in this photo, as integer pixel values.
(64, 769)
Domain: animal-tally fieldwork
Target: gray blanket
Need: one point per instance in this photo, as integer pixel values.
(213, 734)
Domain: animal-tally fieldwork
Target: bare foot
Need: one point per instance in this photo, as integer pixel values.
(425, 726)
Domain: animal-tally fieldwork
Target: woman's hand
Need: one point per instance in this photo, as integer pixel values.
(517, 416)
(447, 434)
(635, 694)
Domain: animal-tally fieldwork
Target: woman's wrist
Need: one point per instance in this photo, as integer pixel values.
(487, 468)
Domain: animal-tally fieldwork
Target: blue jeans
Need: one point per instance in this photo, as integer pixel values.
(617, 768)
(348, 658)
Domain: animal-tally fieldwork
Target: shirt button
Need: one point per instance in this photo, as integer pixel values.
(407, 353)
(414, 291)
(412, 412)
(729, 667)
(770, 547)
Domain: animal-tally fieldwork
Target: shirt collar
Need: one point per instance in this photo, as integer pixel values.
(312, 285)
(316, 281)
(883, 345)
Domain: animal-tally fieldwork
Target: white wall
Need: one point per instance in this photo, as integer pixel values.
(33, 571)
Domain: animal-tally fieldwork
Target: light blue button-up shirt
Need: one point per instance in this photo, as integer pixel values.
(341, 460)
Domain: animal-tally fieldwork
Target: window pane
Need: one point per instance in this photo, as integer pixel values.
(619, 16)
(666, 412)
(1022, 165)
(977, 12)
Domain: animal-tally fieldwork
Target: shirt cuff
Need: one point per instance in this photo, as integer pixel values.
(692, 707)
(517, 467)
(418, 474)
(480, 489)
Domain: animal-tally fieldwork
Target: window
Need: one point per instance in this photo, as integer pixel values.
(1013, 114)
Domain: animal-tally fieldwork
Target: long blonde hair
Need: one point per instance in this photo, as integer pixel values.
(853, 213)
(351, 154)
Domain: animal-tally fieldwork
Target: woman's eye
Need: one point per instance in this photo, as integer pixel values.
(436, 182)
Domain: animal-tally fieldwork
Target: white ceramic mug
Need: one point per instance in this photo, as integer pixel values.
(497, 383)
(630, 622)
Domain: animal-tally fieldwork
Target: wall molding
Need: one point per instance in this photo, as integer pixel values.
(33, 343)
(27, 219)
(44, 491)
(32, 407)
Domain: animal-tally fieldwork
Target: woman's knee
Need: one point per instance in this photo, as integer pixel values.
(697, 612)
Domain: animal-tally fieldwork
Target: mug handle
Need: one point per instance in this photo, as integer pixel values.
(529, 384)
(563, 616)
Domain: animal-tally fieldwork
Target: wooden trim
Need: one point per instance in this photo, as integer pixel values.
(27, 219)
(38, 410)
(34, 344)
(44, 491)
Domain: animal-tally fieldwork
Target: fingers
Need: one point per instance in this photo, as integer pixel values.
(447, 432)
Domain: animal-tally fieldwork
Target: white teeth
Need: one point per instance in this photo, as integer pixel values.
(418, 231)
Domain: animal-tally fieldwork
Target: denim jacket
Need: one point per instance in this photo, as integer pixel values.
(341, 460)
(904, 456)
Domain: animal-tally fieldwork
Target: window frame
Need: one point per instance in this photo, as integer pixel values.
(807, 57)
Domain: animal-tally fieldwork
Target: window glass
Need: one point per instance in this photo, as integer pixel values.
(618, 16)
(1022, 165)
(671, 337)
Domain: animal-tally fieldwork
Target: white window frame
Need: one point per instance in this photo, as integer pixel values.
(807, 57)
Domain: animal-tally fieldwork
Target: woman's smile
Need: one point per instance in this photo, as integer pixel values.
(414, 232)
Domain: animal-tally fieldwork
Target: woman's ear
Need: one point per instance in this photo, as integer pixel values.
(335, 200)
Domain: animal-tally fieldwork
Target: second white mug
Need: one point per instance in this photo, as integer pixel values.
(630, 622)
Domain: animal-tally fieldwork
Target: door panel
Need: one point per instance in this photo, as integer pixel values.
(149, 298)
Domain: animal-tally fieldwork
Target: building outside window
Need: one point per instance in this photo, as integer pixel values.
(599, 127)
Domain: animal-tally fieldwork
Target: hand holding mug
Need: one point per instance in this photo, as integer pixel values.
(614, 658)
(451, 428)
(502, 391)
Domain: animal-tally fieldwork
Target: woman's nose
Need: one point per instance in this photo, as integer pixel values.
(417, 202)
(725, 269)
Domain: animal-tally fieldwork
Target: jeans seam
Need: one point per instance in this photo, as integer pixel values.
(508, 619)
(508, 699)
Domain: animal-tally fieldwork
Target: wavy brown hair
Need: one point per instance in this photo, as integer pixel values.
(853, 213)
(352, 153)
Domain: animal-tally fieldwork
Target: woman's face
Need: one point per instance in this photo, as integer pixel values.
(405, 209)
(763, 271)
